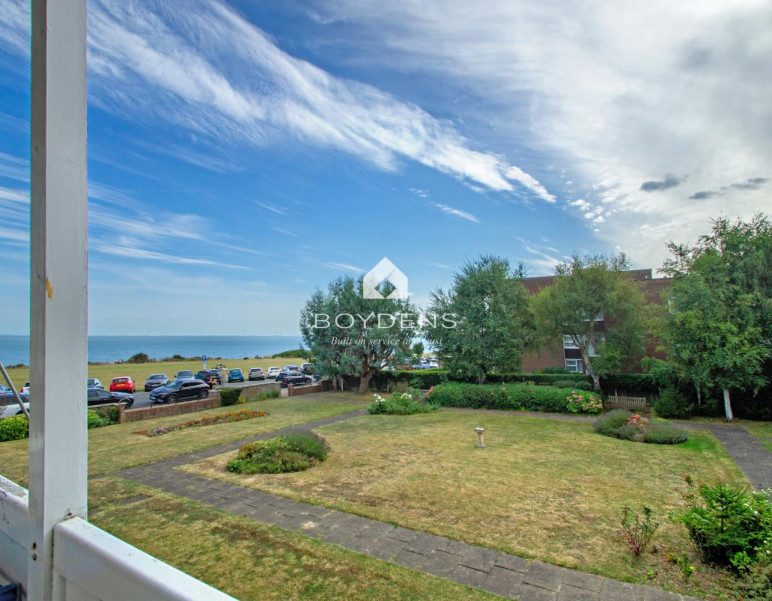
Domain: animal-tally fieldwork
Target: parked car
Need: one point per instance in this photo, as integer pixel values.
(206, 375)
(25, 388)
(180, 390)
(215, 373)
(12, 410)
(156, 380)
(307, 368)
(184, 374)
(99, 396)
(6, 396)
(122, 383)
(273, 371)
(94, 383)
(290, 368)
(295, 378)
(256, 373)
(235, 375)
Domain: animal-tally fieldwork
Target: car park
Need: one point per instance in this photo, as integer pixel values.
(295, 378)
(235, 375)
(7, 396)
(215, 373)
(184, 374)
(156, 380)
(98, 396)
(256, 373)
(180, 390)
(273, 371)
(122, 384)
(94, 383)
(307, 368)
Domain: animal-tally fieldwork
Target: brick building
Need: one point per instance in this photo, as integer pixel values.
(563, 353)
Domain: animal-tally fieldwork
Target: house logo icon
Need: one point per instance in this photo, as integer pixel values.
(385, 271)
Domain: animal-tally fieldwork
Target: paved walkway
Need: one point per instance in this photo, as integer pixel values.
(506, 575)
(751, 457)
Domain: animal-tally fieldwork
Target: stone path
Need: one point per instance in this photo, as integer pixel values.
(493, 571)
(751, 457)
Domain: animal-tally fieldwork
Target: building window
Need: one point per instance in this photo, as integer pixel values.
(568, 342)
(574, 365)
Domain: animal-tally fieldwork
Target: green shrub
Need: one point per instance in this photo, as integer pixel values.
(663, 433)
(298, 353)
(292, 452)
(622, 424)
(584, 402)
(609, 423)
(636, 530)
(109, 413)
(631, 383)
(14, 428)
(501, 396)
(577, 385)
(273, 394)
(95, 420)
(139, 358)
(756, 585)
(401, 403)
(731, 526)
(673, 404)
(230, 396)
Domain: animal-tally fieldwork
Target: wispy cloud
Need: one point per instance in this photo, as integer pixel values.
(210, 72)
(441, 266)
(286, 232)
(456, 212)
(14, 168)
(271, 208)
(346, 267)
(137, 253)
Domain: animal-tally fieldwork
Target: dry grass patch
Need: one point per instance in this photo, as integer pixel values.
(544, 488)
(254, 562)
(116, 447)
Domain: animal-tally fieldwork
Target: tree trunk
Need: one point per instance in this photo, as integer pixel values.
(728, 406)
(364, 381)
(588, 367)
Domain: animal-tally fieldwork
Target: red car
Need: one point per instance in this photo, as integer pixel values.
(124, 383)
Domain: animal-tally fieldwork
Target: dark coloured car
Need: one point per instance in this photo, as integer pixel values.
(295, 378)
(98, 396)
(256, 373)
(307, 368)
(215, 373)
(235, 375)
(155, 381)
(180, 390)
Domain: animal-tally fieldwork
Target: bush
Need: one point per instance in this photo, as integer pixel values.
(95, 420)
(505, 396)
(139, 358)
(293, 452)
(757, 583)
(580, 385)
(230, 396)
(636, 530)
(673, 404)
(622, 424)
(401, 403)
(268, 395)
(109, 413)
(584, 402)
(14, 428)
(731, 526)
(632, 383)
(298, 353)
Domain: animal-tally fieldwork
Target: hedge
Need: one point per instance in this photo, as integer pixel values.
(497, 396)
(14, 428)
(230, 396)
(426, 378)
(638, 383)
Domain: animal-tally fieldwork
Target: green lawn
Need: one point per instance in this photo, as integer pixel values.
(253, 562)
(117, 447)
(544, 488)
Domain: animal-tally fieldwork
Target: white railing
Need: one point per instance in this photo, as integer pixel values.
(89, 564)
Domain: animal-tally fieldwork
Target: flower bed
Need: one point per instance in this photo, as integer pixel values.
(206, 420)
(620, 423)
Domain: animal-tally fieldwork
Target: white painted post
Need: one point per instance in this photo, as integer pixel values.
(58, 295)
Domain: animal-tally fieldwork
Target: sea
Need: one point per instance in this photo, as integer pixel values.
(112, 349)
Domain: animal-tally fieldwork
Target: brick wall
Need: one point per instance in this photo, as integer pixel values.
(322, 386)
(135, 415)
(250, 392)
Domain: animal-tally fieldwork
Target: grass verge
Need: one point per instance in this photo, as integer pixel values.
(544, 488)
(117, 447)
(254, 562)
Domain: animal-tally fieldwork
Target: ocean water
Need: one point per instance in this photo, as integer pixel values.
(109, 349)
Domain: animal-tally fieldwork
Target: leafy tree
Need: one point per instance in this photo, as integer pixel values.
(489, 305)
(718, 328)
(139, 358)
(351, 335)
(418, 350)
(584, 289)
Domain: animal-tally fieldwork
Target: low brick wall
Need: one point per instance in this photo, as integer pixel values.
(252, 391)
(135, 415)
(322, 386)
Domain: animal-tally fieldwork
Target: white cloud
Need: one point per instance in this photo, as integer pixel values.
(456, 212)
(138, 253)
(14, 167)
(210, 72)
(273, 209)
(346, 267)
(617, 93)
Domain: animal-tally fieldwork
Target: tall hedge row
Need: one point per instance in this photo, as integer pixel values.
(426, 378)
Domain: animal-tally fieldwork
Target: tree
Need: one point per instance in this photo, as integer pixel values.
(351, 335)
(588, 290)
(489, 305)
(718, 328)
(417, 350)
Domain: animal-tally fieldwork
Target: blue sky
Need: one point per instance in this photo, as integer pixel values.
(243, 154)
